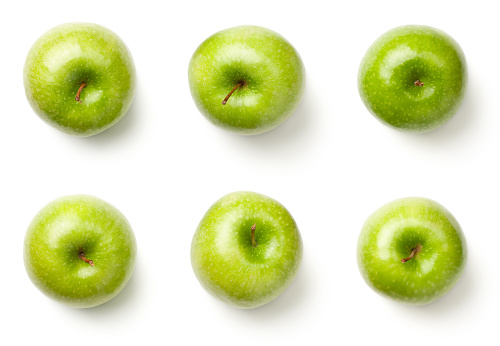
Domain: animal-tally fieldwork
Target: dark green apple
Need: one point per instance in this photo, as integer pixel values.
(247, 249)
(80, 78)
(246, 79)
(80, 251)
(411, 250)
(413, 78)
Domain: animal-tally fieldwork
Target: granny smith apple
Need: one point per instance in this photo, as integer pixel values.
(246, 79)
(80, 250)
(80, 78)
(413, 78)
(247, 249)
(411, 250)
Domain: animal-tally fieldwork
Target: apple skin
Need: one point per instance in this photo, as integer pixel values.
(68, 226)
(392, 65)
(65, 57)
(392, 232)
(229, 267)
(270, 67)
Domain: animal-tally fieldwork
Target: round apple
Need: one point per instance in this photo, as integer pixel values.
(246, 79)
(413, 78)
(80, 78)
(247, 249)
(411, 250)
(80, 251)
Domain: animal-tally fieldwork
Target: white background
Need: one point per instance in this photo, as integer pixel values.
(331, 164)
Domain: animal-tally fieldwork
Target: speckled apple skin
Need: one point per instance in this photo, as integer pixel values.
(226, 263)
(266, 61)
(68, 55)
(67, 226)
(391, 233)
(390, 67)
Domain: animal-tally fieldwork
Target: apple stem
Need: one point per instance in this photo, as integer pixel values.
(414, 251)
(419, 83)
(232, 91)
(252, 235)
(82, 257)
(77, 98)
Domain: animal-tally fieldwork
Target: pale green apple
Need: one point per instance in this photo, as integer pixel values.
(247, 249)
(80, 78)
(80, 250)
(412, 250)
(413, 78)
(246, 79)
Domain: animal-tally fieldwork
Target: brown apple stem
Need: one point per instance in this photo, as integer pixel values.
(232, 91)
(419, 83)
(81, 255)
(77, 98)
(414, 251)
(252, 235)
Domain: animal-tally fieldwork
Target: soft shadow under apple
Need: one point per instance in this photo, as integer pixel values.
(462, 124)
(457, 299)
(127, 299)
(288, 303)
(129, 123)
(296, 135)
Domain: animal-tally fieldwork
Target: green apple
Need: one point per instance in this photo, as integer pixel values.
(80, 251)
(412, 250)
(247, 249)
(413, 78)
(80, 78)
(246, 79)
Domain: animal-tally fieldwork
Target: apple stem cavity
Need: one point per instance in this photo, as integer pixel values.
(252, 235)
(414, 251)
(77, 98)
(81, 255)
(232, 91)
(418, 83)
